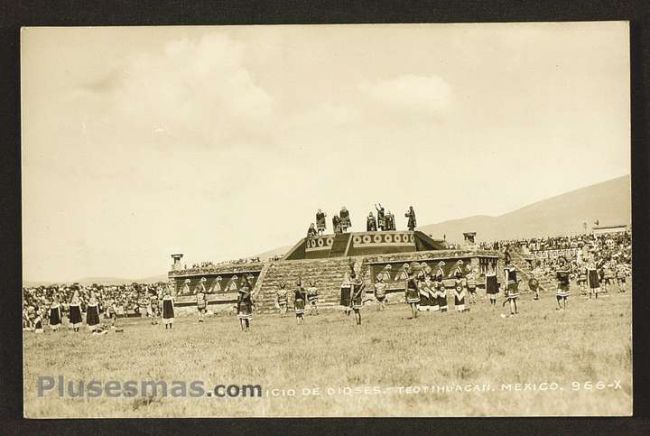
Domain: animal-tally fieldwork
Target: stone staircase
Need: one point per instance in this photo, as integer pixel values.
(340, 245)
(328, 274)
(545, 283)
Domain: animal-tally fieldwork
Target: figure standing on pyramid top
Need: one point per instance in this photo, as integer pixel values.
(390, 221)
(411, 216)
(336, 224)
(345, 219)
(371, 223)
(381, 217)
(321, 224)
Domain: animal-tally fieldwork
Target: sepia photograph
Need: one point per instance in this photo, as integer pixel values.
(355, 220)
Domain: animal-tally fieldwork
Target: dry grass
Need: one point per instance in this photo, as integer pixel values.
(591, 341)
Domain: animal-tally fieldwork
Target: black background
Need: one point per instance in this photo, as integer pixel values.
(14, 14)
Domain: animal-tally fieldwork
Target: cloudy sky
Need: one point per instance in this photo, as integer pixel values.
(221, 142)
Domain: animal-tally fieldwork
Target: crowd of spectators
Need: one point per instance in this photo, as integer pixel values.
(124, 300)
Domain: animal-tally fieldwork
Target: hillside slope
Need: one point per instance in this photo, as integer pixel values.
(608, 202)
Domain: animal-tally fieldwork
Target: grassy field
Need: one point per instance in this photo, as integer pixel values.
(450, 364)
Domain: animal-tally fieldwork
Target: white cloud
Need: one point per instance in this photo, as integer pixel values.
(425, 95)
(196, 92)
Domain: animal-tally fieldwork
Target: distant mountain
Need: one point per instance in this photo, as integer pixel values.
(608, 202)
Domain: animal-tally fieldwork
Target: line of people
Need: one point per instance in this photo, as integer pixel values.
(384, 221)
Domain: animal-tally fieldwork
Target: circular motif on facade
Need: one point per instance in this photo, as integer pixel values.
(366, 239)
(389, 238)
(330, 240)
(320, 242)
(400, 238)
(377, 238)
(312, 243)
(411, 238)
(357, 239)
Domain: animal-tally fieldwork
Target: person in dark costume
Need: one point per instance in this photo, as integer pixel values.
(312, 298)
(336, 224)
(346, 223)
(299, 298)
(371, 223)
(168, 310)
(512, 288)
(380, 290)
(412, 293)
(423, 291)
(460, 285)
(245, 305)
(321, 223)
(562, 276)
(154, 303)
(441, 291)
(390, 221)
(412, 223)
(282, 299)
(201, 299)
(55, 314)
(346, 293)
(609, 278)
(311, 232)
(358, 293)
(593, 279)
(491, 285)
(75, 311)
(92, 313)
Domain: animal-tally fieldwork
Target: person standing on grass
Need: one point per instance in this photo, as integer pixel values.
(92, 313)
(562, 277)
(299, 297)
(282, 299)
(423, 290)
(201, 300)
(412, 293)
(621, 274)
(512, 287)
(358, 293)
(491, 285)
(312, 297)
(460, 283)
(244, 305)
(75, 311)
(439, 286)
(582, 278)
(380, 291)
(346, 292)
(55, 314)
(592, 277)
(168, 310)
